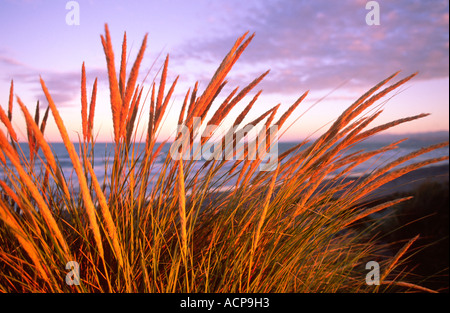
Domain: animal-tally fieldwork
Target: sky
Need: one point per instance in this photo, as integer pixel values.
(325, 47)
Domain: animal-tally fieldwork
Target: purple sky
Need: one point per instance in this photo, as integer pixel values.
(307, 45)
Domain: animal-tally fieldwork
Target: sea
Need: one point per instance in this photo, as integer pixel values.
(104, 152)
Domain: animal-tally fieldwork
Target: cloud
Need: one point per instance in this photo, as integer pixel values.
(320, 44)
(64, 86)
(9, 61)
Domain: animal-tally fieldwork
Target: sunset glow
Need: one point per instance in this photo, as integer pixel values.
(321, 46)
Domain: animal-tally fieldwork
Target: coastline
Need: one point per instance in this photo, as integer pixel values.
(407, 183)
(413, 180)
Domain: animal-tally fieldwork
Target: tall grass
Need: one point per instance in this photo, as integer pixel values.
(288, 230)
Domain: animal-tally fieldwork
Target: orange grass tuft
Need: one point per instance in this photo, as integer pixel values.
(90, 209)
(116, 99)
(160, 225)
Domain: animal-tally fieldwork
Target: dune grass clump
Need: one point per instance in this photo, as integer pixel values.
(287, 230)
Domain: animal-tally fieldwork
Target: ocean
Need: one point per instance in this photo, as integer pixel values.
(103, 151)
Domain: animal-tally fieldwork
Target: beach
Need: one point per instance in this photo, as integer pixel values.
(414, 179)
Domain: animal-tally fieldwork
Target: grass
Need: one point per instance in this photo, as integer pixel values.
(288, 230)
